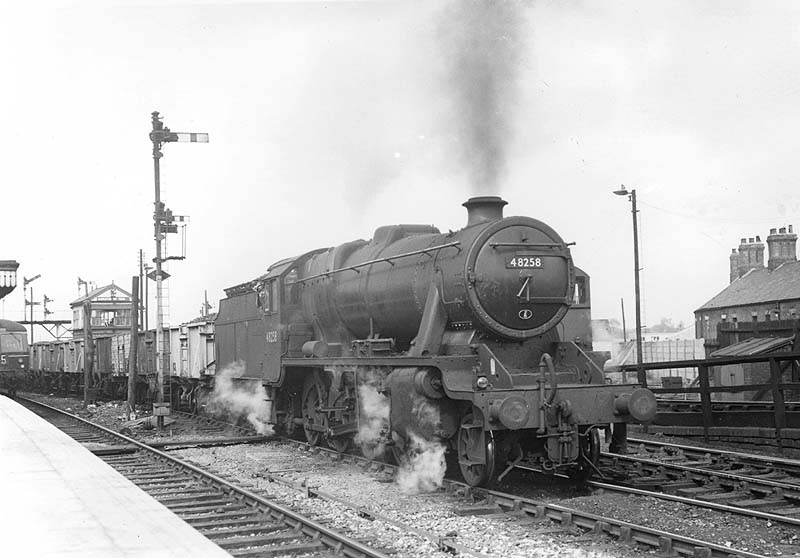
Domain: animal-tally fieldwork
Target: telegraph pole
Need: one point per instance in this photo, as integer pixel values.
(163, 225)
(31, 303)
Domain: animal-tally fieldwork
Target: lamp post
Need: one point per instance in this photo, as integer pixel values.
(640, 375)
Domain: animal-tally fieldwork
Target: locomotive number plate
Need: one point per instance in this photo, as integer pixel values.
(525, 262)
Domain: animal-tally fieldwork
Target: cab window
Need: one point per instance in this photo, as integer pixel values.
(13, 343)
(266, 296)
(581, 295)
(290, 287)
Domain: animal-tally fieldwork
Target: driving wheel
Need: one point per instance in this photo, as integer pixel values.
(473, 443)
(313, 395)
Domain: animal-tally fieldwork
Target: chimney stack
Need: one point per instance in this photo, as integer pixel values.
(734, 265)
(782, 247)
(751, 256)
(483, 209)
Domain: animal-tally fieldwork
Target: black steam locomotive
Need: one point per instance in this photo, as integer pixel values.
(456, 333)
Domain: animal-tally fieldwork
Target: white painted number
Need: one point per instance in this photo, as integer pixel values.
(2, 359)
(272, 337)
(525, 261)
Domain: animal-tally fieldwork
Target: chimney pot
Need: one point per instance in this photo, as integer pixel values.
(751, 240)
(782, 230)
(743, 241)
(773, 231)
(790, 229)
(758, 238)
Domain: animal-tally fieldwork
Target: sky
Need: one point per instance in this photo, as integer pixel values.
(329, 119)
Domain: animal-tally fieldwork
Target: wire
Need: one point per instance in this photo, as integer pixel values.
(714, 219)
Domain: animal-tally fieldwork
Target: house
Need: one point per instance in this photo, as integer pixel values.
(760, 301)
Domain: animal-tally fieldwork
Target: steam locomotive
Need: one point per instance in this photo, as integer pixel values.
(456, 333)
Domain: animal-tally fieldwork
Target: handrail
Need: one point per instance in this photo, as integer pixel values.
(387, 259)
(775, 386)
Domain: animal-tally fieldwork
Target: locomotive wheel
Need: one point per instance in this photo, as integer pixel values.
(340, 443)
(313, 395)
(471, 441)
(588, 457)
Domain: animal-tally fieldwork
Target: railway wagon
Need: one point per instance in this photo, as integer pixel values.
(14, 357)
(188, 361)
(455, 337)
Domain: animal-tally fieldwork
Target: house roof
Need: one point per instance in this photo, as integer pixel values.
(123, 294)
(758, 286)
(754, 346)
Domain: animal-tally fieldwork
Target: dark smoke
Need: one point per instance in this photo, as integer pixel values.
(483, 42)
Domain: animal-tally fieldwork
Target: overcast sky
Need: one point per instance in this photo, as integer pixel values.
(329, 119)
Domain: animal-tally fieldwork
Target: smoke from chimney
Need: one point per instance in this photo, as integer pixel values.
(483, 45)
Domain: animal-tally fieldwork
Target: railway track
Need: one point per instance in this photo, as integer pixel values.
(239, 521)
(651, 481)
(759, 486)
(482, 501)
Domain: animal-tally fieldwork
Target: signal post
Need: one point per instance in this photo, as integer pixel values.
(164, 224)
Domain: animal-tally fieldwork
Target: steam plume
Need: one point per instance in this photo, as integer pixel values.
(374, 418)
(240, 400)
(483, 44)
(424, 467)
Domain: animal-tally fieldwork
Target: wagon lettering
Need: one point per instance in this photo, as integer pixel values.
(272, 336)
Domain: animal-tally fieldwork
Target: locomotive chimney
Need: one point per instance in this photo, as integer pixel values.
(484, 209)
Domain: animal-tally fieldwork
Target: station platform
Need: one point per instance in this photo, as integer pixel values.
(59, 500)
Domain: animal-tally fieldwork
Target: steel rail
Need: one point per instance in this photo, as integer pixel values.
(704, 472)
(748, 457)
(697, 503)
(443, 542)
(665, 541)
(332, 539)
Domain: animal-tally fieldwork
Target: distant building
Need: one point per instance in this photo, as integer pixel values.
(657, 346)
(111, 311)
(756, 294)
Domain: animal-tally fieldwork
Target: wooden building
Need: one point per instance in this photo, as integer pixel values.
(111, 312)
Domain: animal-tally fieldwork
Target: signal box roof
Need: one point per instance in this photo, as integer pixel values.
(116, 294)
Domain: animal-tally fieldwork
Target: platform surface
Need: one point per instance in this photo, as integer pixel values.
(58, 499)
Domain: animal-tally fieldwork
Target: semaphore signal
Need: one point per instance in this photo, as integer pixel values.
(164, 224)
